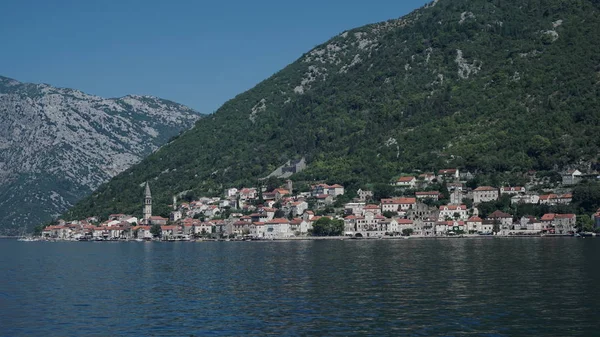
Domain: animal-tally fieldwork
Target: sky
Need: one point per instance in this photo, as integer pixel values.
(199, 53)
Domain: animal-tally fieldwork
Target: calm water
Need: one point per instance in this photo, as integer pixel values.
(456, 287)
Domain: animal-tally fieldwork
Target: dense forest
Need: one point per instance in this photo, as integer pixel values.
(485, 85)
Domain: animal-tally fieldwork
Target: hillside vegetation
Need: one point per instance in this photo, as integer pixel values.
(485, 85)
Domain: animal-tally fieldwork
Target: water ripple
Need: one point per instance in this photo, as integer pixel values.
(480, 287)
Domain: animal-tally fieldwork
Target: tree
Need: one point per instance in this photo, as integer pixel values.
(156, 230)
(585, 223)
(328, 227)
(279, 214)
(389, 214)
(382, 191)
(407, 231)
(587, 196)
(273, 183)
(486, 208)
(496, 227)
(468, 202)
(37, 230)
(260, 198)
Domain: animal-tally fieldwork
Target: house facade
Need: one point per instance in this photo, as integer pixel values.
(450, 211)
(485, 194)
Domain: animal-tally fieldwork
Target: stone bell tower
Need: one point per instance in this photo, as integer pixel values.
(147, 204)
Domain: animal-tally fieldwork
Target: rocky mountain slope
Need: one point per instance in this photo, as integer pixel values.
(486, 85)
(57, 145)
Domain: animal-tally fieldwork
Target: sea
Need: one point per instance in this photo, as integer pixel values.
(418, 287)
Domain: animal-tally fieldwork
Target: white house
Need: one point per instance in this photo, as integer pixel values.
(514, 190)
(409, 182)
(485, 194)
(231, 192)
(355, 208)
(143, 232)
(571, 177)
(364, 195)
(475, 223)
(333, 190)
(397, 204)
(299, 207)
(448, 174)
(525, 199)
(449, 212)
(277, 228)
(433, 195)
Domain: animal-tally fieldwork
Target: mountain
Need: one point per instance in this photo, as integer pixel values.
(58, 145)
(485, 85)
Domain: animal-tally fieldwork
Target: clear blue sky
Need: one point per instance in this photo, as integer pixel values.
(200, 53)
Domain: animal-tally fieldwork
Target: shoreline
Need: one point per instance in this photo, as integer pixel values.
(325, 238)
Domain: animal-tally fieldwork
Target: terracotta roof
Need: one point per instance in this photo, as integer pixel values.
(447, 171)
(399, 201)
(499, 214)
(565, 216)
(406, 179)
(453, 207)
(428, 193)
(485, 188)
(475, 219)
(548, 217)
(278, 221)
(404, 221)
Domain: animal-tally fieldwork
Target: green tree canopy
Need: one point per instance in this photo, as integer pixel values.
(328, 227)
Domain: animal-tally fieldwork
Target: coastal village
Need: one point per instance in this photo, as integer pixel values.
(251, 213)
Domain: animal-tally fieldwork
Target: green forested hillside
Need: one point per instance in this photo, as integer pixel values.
(486, 85)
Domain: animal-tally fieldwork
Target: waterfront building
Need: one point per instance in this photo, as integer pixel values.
(147, 204)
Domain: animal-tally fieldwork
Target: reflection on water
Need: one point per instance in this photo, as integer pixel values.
(445, 287)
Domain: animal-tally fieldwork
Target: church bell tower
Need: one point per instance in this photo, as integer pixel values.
(147, 204)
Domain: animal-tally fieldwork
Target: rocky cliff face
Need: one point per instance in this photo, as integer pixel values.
(57, 145)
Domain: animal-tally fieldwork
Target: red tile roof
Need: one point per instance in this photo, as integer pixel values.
(499, 214)
(486, 188)
(398, 201)
(454, 207)
(548, 217)
(565, 216)
(278, 221)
